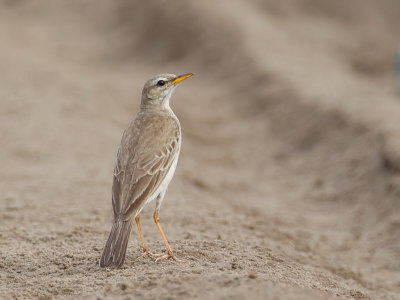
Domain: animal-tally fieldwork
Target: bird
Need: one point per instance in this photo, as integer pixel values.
(146, 161)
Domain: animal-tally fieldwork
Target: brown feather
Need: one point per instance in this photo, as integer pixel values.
(148, 148)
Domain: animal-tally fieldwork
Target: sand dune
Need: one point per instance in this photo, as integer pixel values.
(288, 184)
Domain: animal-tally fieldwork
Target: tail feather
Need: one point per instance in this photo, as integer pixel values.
(115, 249)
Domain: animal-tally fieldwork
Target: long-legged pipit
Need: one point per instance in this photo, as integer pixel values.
(146, 162)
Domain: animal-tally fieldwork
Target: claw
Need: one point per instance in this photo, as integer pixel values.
(169, 256)
(147, 253)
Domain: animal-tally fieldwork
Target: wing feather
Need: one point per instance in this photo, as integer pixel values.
(116, 186)
(147, 170)
(147, 177)
(149, 147)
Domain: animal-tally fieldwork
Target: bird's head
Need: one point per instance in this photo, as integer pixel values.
(158, 90)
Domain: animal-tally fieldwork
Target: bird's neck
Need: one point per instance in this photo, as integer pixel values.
(156, 107)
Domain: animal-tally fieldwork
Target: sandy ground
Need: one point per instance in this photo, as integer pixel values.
(288, 185)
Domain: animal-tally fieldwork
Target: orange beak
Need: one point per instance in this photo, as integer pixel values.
(181, 78)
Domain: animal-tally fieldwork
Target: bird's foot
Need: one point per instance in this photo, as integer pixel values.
(146, 252)
(170, 255)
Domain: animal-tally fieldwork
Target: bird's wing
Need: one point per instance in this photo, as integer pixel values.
(145, 172)
(117, 185)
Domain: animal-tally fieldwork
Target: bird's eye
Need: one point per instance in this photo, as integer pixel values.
(160, 82)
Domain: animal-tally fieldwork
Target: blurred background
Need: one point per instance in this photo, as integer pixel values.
(288, 185)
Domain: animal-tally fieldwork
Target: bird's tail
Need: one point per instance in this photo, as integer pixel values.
(115, 249)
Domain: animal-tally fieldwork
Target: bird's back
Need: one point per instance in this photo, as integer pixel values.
(148, 148)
